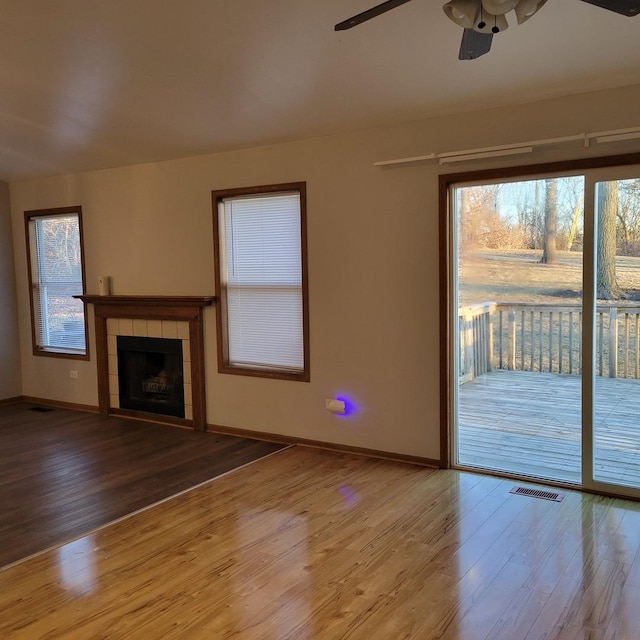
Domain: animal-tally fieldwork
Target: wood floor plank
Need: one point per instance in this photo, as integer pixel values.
(64, 473)
(306, 544)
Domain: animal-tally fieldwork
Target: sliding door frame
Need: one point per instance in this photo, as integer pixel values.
(447, 182)
(594, 177)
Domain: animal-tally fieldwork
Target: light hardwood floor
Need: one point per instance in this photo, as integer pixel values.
(308, 544)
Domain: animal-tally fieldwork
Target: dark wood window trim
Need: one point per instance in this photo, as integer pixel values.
(217, 197)
(446, 182)
(28, 216)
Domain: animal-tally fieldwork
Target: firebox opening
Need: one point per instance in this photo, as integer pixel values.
(150, 375)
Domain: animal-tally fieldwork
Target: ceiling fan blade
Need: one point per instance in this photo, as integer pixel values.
(624, 7)
(368, 14)
(474, 44)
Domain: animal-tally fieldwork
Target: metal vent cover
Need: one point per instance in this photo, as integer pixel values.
(537, 493)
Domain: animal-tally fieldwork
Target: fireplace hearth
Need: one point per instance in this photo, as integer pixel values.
(150, 375)
(167, 317)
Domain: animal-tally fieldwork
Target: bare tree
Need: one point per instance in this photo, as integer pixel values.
(607, 287)
(550, 222)
(570, 212)
(479, 216)
(61, 244)
(629, 217)
(575, 221)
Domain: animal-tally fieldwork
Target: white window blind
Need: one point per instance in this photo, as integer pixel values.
(261, 275)
(56, 276)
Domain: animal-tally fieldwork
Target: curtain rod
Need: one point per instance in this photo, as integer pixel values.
(464, 155)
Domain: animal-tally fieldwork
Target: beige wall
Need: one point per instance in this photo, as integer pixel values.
(10, 375)
(373, 262)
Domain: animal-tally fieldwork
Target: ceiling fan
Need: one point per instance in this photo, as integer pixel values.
(481, 19)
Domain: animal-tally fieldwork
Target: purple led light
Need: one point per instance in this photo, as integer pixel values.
(350, 407)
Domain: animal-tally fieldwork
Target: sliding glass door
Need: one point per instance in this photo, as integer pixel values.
(615, 433)
(519, 299)
(545, 321)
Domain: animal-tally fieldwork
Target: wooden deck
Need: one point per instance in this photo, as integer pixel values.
(530, 423)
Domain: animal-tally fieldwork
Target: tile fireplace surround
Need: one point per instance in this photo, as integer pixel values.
(151, 316)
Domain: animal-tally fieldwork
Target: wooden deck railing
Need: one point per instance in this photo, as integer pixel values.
(476, 340)
(542, 337)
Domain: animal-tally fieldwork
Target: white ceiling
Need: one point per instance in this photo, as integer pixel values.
(89, 84)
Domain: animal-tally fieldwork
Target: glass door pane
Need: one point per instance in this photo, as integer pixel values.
(519, 327)
(616, 406)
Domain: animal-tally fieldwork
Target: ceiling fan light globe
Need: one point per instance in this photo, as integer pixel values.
(463, 12)
(499, 7)
(525, 9)
(457, 14)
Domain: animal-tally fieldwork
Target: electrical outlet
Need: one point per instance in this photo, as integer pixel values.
(335, 406)
(73, 374)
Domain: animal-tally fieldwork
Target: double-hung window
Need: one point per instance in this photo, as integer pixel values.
(56, 274)
(261, 283)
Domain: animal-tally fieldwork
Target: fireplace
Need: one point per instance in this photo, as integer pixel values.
(174, 319)
(150, 376)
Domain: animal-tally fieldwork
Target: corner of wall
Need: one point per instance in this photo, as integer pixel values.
(10, 369)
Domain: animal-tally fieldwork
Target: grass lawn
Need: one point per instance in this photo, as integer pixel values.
(518, 276)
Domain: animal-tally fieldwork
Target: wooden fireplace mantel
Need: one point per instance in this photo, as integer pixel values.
(180, 308)
(165, 306)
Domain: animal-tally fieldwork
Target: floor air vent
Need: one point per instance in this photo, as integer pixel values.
(40, 409)
(537, 493)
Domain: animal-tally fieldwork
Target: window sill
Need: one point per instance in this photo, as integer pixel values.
(61, 353)
(274, 374)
